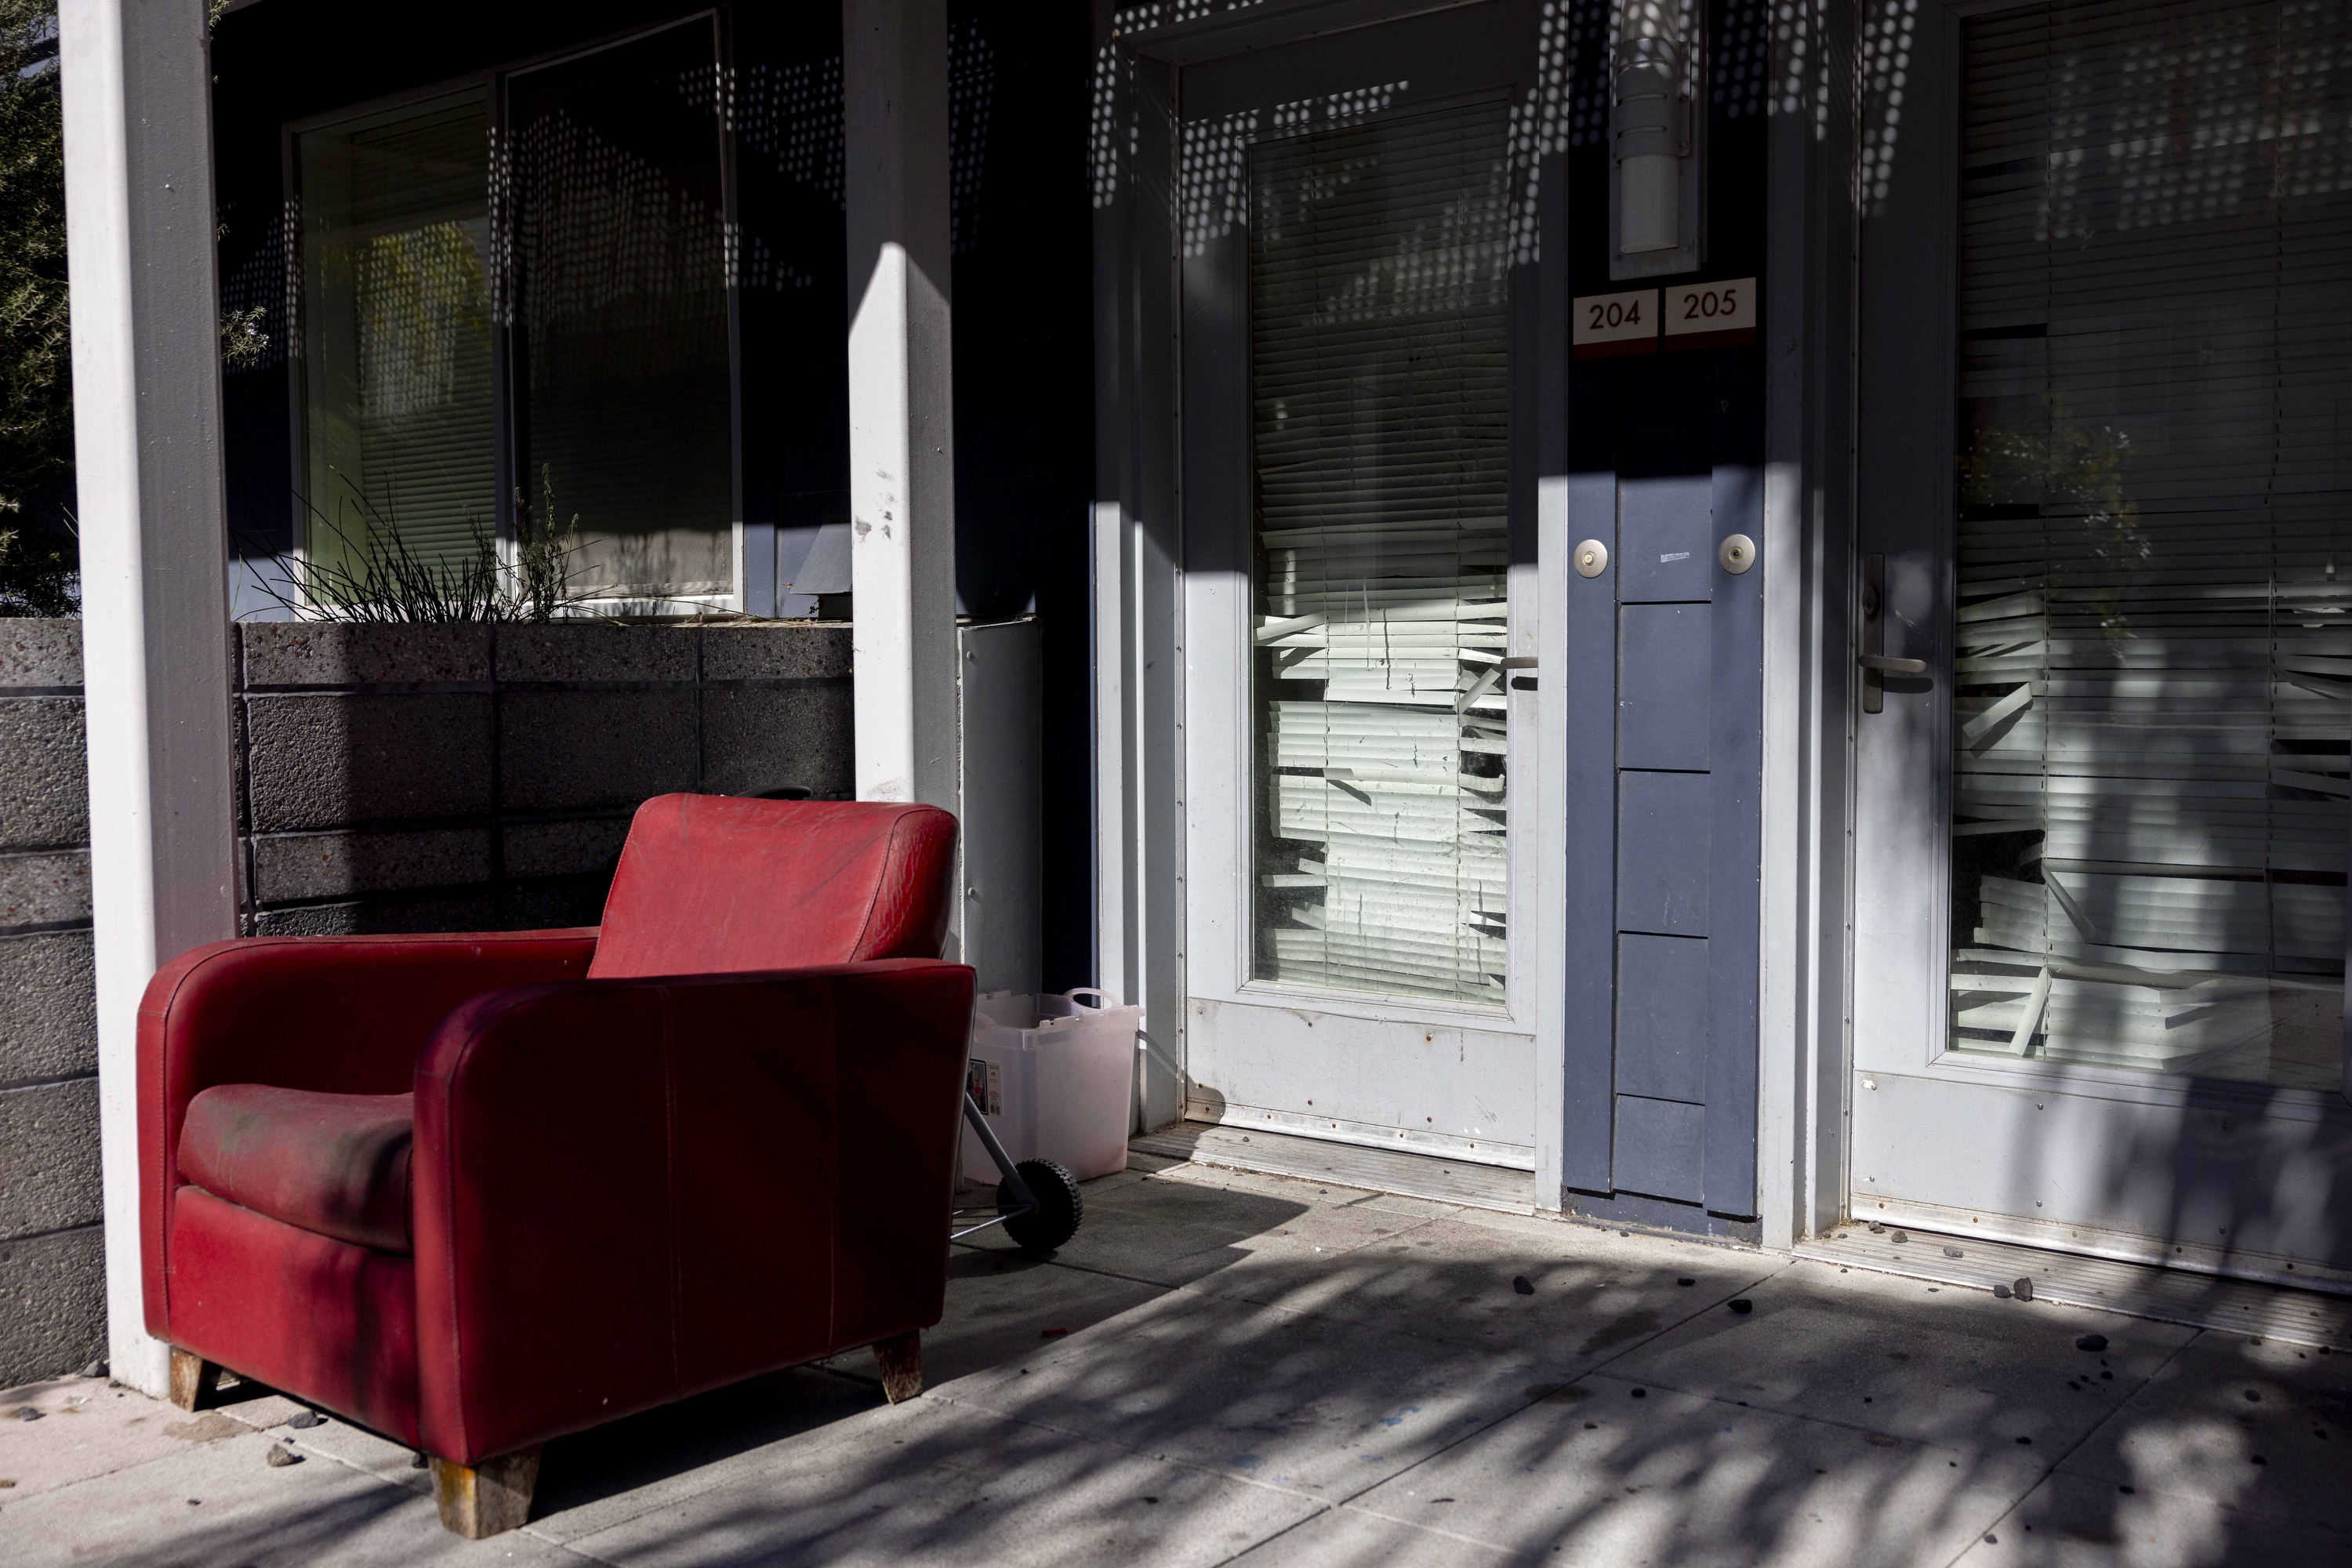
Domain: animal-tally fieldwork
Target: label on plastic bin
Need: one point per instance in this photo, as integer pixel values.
(985, 1081)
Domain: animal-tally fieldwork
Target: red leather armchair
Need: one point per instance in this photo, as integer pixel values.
(476, 1192)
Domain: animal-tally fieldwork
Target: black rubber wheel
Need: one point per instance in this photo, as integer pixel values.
(1059, 1207)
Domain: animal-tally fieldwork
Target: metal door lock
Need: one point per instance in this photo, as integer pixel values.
(1591, 558)
(1876, 663)
(1737, 552)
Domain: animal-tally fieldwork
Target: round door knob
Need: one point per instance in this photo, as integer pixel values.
(1591, 558)
(1738, 553)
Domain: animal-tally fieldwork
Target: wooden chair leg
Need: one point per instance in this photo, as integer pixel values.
(901, 1357)
(194, 1380)
(487, 1499)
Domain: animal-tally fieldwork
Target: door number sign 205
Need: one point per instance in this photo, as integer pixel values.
(1685, 316)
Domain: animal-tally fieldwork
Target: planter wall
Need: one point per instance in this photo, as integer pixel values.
(52, 1266)
(476, 778)
(390, 779)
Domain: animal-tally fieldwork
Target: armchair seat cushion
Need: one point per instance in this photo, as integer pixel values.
(333, 1164)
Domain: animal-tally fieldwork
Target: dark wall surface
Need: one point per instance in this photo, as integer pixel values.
(1019, 85)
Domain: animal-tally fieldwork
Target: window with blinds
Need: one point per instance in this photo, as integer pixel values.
(2153, 645)
(398, 418)
(1380, 367)
(622, 263)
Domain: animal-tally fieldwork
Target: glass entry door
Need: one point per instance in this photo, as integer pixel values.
(1352, 729)
(2121, 1024)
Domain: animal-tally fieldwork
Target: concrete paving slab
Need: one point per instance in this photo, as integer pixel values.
(1419, 1208)
(2070, 1522)
(245, 1514)
(728, 1438)
(1284, 1398)
(259, 1407)
(361, 1450)
(1301, 1189)
(1891, 1355)
(1193, 1232)
(1600, 1474)
(932, 1481)
(89, 1428)
(1590, 1296)
(2245, 1424)
(1351, 1538)
(1002, 1305)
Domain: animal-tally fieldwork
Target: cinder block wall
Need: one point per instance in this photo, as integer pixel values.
(477, 778)
(391, 778)
(52, 1273)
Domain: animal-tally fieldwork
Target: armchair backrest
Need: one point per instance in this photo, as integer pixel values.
(722, 885)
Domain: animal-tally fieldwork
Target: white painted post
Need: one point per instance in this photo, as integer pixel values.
(147, 421)
(902, 448)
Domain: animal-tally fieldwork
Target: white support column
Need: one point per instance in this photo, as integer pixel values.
(147, 422)
(902, 446)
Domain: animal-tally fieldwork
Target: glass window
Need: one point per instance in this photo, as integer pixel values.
(1379, 365)
(2153, 685)
(621, 328)
(398, 422)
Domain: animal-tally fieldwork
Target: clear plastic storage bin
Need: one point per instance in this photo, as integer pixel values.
(1055, 1077)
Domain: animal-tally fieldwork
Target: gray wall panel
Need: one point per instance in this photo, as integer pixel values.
(1666, 542)
(1664, 666)
(1590, 691)
(1662, 853)
(1659, 1147)
(1736, 849)
(1663, 995)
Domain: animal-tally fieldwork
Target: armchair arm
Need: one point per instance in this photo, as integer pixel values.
(628, 1191)
(342, 1014)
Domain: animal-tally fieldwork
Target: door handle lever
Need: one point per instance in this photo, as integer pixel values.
(1523, 662)
(1885, 666)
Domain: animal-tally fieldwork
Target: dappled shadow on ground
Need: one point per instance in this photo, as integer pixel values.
(1227, 1366)
(1211, 1368)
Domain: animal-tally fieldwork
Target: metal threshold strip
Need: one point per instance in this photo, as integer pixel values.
(1348, 1164)
(2135, 1289)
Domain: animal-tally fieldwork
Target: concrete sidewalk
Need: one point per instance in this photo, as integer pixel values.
(1239, 1368)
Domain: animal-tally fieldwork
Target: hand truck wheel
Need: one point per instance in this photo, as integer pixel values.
(1057, 1210)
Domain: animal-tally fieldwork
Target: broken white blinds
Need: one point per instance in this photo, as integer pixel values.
(2153, 689)
(1380, 367)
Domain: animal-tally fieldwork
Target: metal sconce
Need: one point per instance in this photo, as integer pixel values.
(1657, 127)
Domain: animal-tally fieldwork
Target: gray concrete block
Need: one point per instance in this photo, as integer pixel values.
(564, 849)
(757, 739)
(40, 651)
(596, 650)
(300, 653)
(380, 917)
(775, 653)
(44, 889)
(43, 773)
(330, 760)
(52, 1304)
(549, 906)
(48, 1006)
(48, 1157)
(329, 865)
(569, 750)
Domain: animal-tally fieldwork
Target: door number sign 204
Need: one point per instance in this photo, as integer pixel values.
(1685, 316)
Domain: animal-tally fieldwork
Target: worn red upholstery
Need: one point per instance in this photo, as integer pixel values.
(713, 885)
(621, 1181)
(336, 1165)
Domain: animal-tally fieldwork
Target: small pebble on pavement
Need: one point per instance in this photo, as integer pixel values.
(280, 1455)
